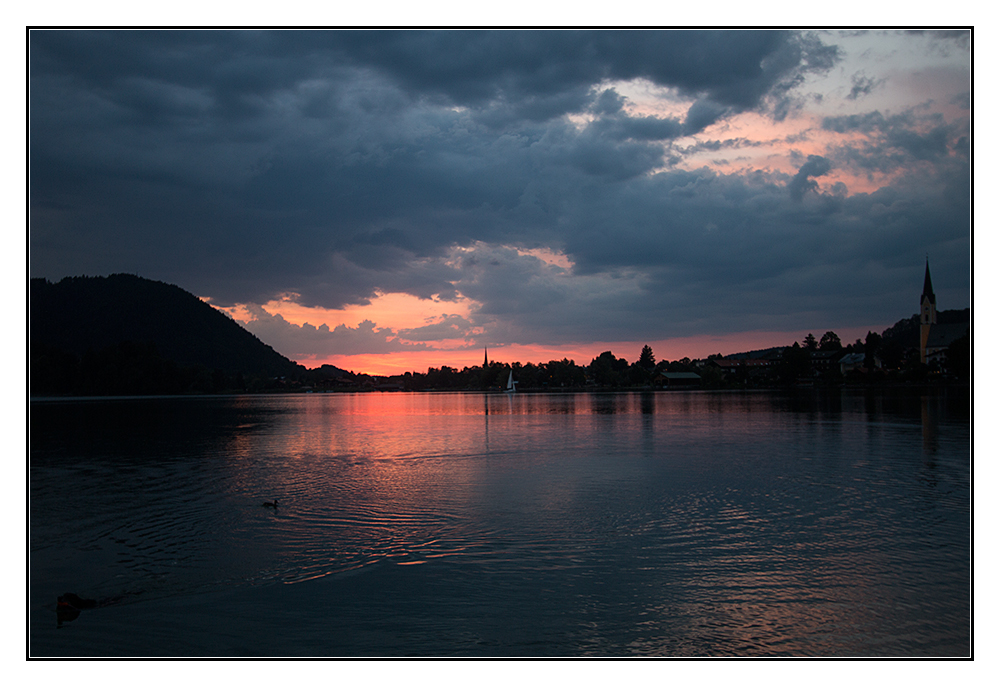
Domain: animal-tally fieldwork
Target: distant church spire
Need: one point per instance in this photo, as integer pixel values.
(486, 358)
(928, 311)
(928, 289)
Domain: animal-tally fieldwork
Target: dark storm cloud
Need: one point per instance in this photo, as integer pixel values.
(616, 125)
(201, 157)
(702, 258)
(703, 113)
(815, 166)
(537, 74)
(335, 165)
(895, 141)
(307, 340)
(734, 68)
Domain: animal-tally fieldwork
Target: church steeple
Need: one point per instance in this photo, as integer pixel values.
(928, 289)
(486, 358)
(928, 311)
(928, 303)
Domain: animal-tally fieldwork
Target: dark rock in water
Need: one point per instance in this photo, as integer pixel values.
(69, 605)
(71, 599)
(65, 614)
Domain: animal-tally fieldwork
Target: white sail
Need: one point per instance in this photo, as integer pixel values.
(510, 382)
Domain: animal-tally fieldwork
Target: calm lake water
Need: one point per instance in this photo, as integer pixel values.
(631, 524)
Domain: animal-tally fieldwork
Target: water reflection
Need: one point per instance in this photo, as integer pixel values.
(930, 412)
(609, 404)
(139, 429)
(647, 401)
(653, 523)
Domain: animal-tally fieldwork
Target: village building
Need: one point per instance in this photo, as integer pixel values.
(854, 364)
(822, 362)
(680, 380)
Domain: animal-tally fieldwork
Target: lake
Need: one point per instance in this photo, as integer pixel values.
(805, 523)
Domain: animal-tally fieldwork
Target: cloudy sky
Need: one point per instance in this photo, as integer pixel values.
(389, 201)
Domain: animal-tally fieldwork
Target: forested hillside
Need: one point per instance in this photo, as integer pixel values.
(125, 334)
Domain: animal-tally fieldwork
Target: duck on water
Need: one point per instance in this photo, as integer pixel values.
(270, 504)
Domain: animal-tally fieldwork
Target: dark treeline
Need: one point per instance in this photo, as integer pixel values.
(892, 357)
(124, 335)
(606, 370)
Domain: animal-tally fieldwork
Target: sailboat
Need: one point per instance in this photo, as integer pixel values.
(510, 383)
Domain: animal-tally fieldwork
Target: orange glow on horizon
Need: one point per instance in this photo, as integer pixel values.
(454, 354)
(693, 347)
(401, 309)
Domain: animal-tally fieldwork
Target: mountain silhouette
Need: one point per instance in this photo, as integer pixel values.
(126, 334)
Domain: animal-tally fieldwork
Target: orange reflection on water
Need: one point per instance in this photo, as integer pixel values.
(358, 485)
(571, 485)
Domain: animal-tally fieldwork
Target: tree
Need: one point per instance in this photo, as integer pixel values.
(959, 357)
(637, 374)
(646, 359)
(607, 370)
(564, 373)
(810, 342)
(873, 345)
(794, 363)
(892, 354)
(830, 342)
(526, 375)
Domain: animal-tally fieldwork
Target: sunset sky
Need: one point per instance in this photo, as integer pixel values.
(390, 201)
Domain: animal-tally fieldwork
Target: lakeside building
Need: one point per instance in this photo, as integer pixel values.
(679, 380)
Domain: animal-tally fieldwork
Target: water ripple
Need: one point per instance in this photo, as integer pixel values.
(696, 529)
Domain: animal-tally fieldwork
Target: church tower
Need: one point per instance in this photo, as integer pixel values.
(928, 312)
